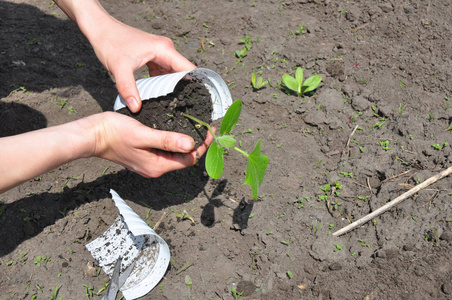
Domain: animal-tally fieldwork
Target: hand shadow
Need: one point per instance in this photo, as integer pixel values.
(41, 52)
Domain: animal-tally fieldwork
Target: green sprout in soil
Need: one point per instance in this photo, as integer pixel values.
(297, 85)
(316, 227)
(439, 146)
(350, 174)
(257, 83)
(244, 51)
(301, 30)
(257, 163)
(385, 145)
(41, 260)
(236, 293)
(188, 281)
(401, 109)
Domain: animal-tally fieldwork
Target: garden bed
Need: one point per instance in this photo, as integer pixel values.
(374, 128)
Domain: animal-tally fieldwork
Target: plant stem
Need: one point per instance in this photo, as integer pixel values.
(213, 134)
(241, 151)
(202, 123)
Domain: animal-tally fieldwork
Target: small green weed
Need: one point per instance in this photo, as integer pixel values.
(297, 85)
(257, 83)
(235, 293)
(439, 146)
(41, 260)
(401, 109)
(385, 145)
(188, 281)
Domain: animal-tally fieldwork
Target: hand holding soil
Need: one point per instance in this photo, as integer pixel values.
(146, 151)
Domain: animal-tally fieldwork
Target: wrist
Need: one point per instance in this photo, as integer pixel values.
(82, 137)
(88, 15)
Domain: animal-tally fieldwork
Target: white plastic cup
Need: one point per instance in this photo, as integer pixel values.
(133, 240)
(162, 85)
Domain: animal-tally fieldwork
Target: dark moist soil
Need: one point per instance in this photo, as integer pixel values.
(387, 71)
(166, 112)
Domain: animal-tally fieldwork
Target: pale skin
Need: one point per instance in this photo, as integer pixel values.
(108, 135)
(122, 50)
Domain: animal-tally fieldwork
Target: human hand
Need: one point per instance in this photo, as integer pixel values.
(146, 151)
(124, 49)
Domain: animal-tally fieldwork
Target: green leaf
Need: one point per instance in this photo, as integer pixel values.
(449, 128)
(214, 160)
(259, 82)
(188, 281)
(241, 53)
(299, 76)
(290, 82)
(231, 117)
(226, 141)
(255, 169)
(253, 80)
(312, 83)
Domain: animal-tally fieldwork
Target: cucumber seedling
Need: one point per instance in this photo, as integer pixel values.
(256, 162)
(257, 83)
(297, 85)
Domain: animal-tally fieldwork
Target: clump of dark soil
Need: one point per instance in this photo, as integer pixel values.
(166, 112)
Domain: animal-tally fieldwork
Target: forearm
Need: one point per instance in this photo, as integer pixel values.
(88, 15)
(25, 156)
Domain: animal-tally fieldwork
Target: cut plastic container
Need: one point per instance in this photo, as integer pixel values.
(162, 85)
(132, 239)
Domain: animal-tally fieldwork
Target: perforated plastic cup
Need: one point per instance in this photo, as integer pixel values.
(162, 85)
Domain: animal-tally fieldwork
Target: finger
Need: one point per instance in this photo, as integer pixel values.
(205, 145)
(165, 140)
(127, 88)
(170, 161)
(168, 62)
(180, 160)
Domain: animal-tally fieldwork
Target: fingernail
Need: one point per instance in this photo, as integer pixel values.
(132, 104)
(185, 144)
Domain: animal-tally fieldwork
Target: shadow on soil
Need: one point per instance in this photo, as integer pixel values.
(18, 118)
(45, 209)
(44, 52)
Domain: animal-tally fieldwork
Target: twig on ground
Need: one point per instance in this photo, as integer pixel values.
(398, 175)
(394, 202)
(357, 183)
(358, 28)
(368, 185)
(347, 146)
(156, 226)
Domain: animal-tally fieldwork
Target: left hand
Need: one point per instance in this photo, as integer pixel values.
(146, 151)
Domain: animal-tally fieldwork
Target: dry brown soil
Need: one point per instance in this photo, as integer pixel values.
(387, 71)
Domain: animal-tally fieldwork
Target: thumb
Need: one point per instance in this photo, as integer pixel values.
(127, 88)
(166, 140)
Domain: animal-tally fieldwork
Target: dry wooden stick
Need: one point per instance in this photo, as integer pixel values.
(347, 146)
(156, 226)
(358, 28)
(398, 175)
(394, 202)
